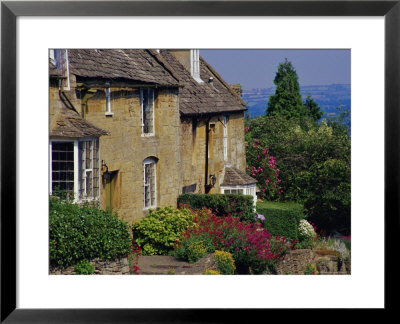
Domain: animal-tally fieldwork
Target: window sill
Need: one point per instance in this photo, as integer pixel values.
(86, 200)
(109, 114)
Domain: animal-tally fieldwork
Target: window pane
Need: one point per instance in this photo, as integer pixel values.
(81, 172)
(62, 166)
(88, 183)
(88, 157)
(147, 113)
(149, 185)
(95, 170)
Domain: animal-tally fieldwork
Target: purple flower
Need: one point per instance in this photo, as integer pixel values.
(260, 217)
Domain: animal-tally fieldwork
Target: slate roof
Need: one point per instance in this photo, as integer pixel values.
(138, 65)
(203, 98)
(68, 123)
(53, 71)
(235, 177)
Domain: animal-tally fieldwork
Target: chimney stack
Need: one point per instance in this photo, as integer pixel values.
(237, 88)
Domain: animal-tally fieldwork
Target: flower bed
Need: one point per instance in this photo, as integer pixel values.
(252, 247)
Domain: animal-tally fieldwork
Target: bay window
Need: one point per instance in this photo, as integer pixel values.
(249, 189)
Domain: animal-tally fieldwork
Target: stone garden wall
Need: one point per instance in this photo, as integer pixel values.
(296, 261)
(102, 267)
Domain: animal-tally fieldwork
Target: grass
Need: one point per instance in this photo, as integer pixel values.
(277, 205)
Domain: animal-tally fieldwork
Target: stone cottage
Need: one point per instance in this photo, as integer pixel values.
(136, 128)
(212, 128)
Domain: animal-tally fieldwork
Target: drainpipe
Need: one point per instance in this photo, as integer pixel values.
(206, 185)
(64, 97)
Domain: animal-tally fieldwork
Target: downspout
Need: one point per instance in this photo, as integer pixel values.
(206, 186)
(63, 96)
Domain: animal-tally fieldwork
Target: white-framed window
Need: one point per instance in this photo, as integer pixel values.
(225, 138)
(195, 65)
(108, 102)
(88, 169)
(147, 110)
(62, 167)
(149, 183)
(241, 189)
(74, 168)
(234, 191)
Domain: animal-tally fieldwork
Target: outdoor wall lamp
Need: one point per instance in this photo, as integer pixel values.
(106, 173)
(213, 179)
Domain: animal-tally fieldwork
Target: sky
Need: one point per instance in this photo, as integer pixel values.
(257, 68)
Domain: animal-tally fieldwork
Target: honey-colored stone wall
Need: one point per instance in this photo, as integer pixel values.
(194, 146)
(178, 145)
(125, 148)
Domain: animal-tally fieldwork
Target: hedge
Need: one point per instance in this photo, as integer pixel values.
(281, 219)
(235, 204)
(84, 232)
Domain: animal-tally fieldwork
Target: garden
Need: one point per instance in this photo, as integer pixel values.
(239, 239)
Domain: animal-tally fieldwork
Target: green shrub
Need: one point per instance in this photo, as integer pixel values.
(158, 232)
(211, 272)
(84, 232)
(311, 270)
(281, 219)
(222, 205)
(196, 251)
(193, 248)
(84, 267)
(225, 262)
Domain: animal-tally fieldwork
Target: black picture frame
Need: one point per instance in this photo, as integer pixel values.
(10, 10)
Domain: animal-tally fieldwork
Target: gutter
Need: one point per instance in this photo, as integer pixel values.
(211, 114)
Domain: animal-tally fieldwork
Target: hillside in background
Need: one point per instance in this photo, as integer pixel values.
(329, 97)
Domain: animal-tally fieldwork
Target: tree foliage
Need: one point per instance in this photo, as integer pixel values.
(312, 108)
(314, 164)
(287, 101)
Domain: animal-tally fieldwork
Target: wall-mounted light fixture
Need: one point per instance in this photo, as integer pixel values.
(106, 173)
(213, 179)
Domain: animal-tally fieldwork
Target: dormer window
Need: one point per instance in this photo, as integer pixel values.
(195, 65)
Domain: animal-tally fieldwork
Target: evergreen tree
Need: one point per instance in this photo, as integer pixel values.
(287, 100)
(313, 109)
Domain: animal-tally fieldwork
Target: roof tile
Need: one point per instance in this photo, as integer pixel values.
(137, 65)
(235, 177)
(203, 98)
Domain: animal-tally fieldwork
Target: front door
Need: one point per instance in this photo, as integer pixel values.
(110, 190)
